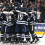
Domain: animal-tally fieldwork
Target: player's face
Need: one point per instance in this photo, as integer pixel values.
(4, 1)
(0, 9)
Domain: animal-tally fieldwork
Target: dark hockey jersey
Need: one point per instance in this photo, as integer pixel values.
(21, 17)
(1, 17)
(8, 19)
(30, 19)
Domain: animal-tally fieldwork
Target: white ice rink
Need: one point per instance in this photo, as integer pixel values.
(42, 42)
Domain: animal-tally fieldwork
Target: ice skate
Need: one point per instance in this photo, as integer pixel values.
(32, 42)
(7, 41)
(23, 41)
(12, 40)
(1, 42)
(28, 40)
(37, 40)
(16, 41)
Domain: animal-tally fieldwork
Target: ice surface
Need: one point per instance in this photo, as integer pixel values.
(42, 42)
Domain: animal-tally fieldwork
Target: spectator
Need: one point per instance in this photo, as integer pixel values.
(0, 8)
(30, 4)
(43, 16)
(30, 8)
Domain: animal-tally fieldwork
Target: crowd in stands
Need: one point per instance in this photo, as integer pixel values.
(30, 5)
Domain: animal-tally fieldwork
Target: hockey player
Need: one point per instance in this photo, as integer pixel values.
(30, 25)
(2, 19)
(27, 35)
(3, 26)
(9, 27)
(20, 25)
(17, 33)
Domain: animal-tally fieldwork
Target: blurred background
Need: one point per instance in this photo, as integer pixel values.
(36, 7)
(30, 4)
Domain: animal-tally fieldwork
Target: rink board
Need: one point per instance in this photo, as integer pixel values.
(39, 28)
(38, 33)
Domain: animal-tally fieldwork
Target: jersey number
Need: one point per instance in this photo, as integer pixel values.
(8, 18)
(20, 17)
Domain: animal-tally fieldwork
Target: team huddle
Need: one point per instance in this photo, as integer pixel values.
(17, 26)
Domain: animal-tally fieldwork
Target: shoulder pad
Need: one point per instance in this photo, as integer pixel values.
(5, 12)
(18, 11)
(1, 13)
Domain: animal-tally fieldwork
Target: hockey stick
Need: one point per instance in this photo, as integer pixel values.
(38, 37)
(5, 35)
(42, 36)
